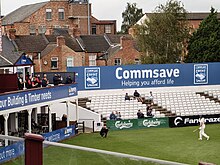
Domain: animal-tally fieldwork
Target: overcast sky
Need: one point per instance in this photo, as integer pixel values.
(112, 9)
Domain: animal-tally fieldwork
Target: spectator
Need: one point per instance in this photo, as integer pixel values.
(137, 96)
(104, 132)
(151, 97)
(69, 80)
(64, 117)
(118, 116)
(55, 79)
(20, 82)
(127, 97)
(112, 116)
(45, 81)
(60, 79)
(38, 79)
(140, 114)
(34, 83)
(28, 81)
(149, 112)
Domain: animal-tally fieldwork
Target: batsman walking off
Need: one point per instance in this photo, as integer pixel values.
(202, 129)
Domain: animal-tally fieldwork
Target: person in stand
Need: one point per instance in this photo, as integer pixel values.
(127, 97)
(38, 79)
(60, 79)
(112, 116)
(202, 129)
(45, 81)
(28, 81)
(34, 82)
(137, 96)
(140, 114)
(69, 80)
(55, 79)
(104, 132)
(151, 97)
(20, 82)
(64, 117)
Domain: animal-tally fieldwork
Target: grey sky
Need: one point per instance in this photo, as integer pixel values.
(112, 9)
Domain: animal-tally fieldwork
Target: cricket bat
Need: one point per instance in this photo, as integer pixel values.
(195, 130)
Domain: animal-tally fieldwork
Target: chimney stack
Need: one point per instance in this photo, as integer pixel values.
(60, 41)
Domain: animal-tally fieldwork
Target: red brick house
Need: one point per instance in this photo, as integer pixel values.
(41, 18)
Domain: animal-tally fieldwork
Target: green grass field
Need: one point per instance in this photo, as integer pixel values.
(173, 144)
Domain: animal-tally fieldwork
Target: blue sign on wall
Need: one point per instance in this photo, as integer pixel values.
(23, 98)
(145, 76)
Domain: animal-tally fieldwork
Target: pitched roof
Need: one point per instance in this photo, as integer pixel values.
(189, 16)
(94, 43)
(21, 13)
(199, 16)
(48, 49)
(9, 51)
(4, 62)
(31, 43)
(70, 41)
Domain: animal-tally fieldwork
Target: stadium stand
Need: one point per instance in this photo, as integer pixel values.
(166, 103)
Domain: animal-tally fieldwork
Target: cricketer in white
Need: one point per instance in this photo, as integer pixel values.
(202, 129)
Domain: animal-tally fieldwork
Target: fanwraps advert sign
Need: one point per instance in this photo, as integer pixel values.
(144, 76)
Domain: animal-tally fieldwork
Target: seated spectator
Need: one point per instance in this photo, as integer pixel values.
(149, 112)
(118, 115)
(137, 96)
(45, 81)
(140, 114)
(69, 80)
(151, 97)
(104, 132)
(127, 97)
(112, 116)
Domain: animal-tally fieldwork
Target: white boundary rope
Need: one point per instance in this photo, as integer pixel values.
(146, 159)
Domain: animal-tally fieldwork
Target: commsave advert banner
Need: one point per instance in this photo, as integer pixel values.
(144, 76)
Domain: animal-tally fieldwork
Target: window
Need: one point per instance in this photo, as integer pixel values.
(48, 14)
(32, 29)
(93, 29)
(108, 29)
(137, 61)
(54, 63)
(117, 61)
(92, 60)
(61, 14)
(42, 29)
(69, 62)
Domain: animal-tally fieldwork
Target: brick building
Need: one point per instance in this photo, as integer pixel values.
(41, 18)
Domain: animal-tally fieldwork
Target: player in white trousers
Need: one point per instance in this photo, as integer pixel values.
(202, 129)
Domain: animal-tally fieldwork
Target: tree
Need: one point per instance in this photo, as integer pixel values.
(204, 44)
(130, 16)
(162, 35)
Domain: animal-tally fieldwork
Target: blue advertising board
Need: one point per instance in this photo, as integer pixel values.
(12, 151)
(29, 97)
(144, 76)
(60, 134)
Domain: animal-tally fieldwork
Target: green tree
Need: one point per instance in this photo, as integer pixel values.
(130, 16)
(204, 44)
(162, 35)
